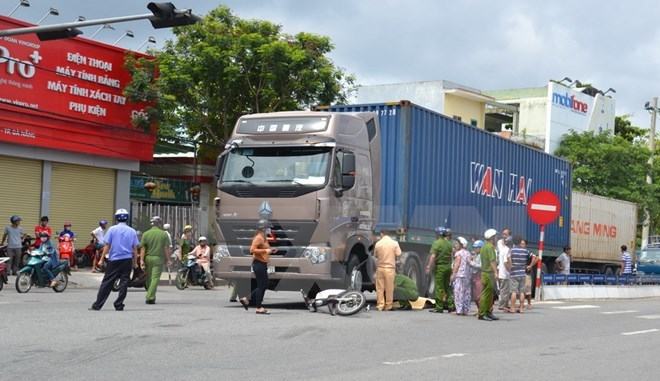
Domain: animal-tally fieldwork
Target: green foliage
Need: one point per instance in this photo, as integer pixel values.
(623, 127)
(225, 66)
(612, 166)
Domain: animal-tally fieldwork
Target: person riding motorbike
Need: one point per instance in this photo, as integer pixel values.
(72, 236)
(47, 248)
(98, 235)
(203, 253)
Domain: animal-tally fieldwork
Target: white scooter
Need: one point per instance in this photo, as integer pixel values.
(339, 302)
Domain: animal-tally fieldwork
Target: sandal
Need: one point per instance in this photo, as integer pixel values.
(264, 312)
(244, 303)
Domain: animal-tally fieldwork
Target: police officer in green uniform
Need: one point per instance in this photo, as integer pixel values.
(405, 291)
(441, 252)
(488, 271)
(154, 251)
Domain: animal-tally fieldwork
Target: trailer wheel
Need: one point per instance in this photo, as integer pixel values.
(413, 270)
(354, 274)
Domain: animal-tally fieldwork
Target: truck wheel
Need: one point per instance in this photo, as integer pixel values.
(353, 274)
(413, 270)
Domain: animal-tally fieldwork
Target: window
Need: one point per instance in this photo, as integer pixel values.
(473, 122)
(371, 129)
(456, 117)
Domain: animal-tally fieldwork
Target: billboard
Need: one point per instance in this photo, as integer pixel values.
(571, 110)
(67, 89)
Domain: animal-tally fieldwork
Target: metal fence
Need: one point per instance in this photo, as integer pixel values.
(177, 216)
(600, 279)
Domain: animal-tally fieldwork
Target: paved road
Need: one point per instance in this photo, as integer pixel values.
(197, 333)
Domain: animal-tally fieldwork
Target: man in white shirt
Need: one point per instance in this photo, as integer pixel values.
(98, 235)
(503, 266)
(563, 262)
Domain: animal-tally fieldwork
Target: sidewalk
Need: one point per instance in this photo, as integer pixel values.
(85, 278)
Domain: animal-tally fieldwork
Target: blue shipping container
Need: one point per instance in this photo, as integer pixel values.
(436, 171)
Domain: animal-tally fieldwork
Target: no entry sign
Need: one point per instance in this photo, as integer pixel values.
(543, 207)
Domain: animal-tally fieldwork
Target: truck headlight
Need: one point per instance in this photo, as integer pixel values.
(317, 254)
(221, 251)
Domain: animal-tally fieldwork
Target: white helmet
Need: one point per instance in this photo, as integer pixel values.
(490, 233)
(200, 239)
(463, 241)
(166, 226)
(121, 215)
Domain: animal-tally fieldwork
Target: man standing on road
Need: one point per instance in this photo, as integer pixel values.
(519, 259)
(488, 271)
(563, 261)
(121, 246)
(386, 252)
(626, 262)
(154, 251)
(503, 266)
(441, 252)
(14, 236)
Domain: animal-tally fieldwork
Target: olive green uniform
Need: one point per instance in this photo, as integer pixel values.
(405, 290)
(487, 279)
(444, 297)
(154, 241)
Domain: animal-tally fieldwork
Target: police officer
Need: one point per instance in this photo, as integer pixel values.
(121, 244)
(154, 251)
(441, 252)
(488, 272)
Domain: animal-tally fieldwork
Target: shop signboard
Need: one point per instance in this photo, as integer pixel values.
(166, 190)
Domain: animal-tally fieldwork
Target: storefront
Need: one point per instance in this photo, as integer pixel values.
(67, 144)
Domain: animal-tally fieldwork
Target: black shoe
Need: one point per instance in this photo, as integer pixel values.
(233, 300)
(150, 302)
(119, 308)
(493, 317)
(92, 308)
(486, 318)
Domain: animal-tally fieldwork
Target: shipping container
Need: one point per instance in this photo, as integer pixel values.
(599, 227)
(437, 171)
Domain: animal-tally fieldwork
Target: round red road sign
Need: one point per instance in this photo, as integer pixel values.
(543, 207)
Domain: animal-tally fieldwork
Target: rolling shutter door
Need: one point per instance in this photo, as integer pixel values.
(20, 191)
(82, 195)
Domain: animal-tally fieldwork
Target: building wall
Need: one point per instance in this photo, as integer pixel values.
(532, 117)
(428, 94)
(466, 109)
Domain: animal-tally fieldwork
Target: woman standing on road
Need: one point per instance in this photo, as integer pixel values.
(260, 250)
(461, 278)
(475, 265)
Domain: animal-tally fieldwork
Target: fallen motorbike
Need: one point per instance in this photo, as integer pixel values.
(339, 302)
(137, 280)
(3, 272)
(193, 274)
(33, 274)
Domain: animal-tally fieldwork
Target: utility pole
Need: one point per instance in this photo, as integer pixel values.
(653, 107)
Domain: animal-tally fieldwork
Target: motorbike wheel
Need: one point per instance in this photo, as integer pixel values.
(115, 286)
(351, 302)
(23, 282)
(181, 280)
(63, 281)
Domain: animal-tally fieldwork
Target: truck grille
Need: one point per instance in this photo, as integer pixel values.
(288, 236)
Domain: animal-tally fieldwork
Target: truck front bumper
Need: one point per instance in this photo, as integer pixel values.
(279, 268)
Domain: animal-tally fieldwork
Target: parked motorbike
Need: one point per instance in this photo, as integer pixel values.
(193, 274)
(85, 257)
(25, 252)
(339, 302)
(65, 247)
(3, 272)
(33, 274)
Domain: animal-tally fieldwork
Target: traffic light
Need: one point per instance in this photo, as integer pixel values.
(59, 34)
(166, 16)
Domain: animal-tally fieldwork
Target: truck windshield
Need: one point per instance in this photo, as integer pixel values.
(300, 166)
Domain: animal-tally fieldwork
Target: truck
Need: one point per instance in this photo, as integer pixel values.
(599, 226)
(328, 179)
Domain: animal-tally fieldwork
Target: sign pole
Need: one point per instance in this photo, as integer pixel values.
(539, 264)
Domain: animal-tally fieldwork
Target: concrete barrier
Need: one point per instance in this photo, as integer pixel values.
(599, 292)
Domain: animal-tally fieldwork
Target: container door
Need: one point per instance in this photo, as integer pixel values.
(81, 195)
(21, 191)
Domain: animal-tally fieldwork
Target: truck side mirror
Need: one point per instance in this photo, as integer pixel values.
(348, 171)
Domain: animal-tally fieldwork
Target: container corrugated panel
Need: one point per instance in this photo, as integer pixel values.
(599, 227)
(459, 176)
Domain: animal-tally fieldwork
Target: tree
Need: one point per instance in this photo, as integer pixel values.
(623, 127)
(612, 166)
(225, 66)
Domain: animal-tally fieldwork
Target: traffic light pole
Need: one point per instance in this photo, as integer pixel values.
(78, 24)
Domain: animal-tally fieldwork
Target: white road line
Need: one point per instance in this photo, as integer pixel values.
(578, 307)
(423, 359)
(544, 207)
(640, 332)
(549, 302)
(619, 312)
(649, 317)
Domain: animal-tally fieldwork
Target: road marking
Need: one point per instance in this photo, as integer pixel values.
(578, 307)
(544, 207)
(640, 332)
(423, 359)
(550, 302)
(619, 312)
(649, 317)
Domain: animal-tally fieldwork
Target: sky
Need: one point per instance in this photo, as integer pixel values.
(483, 44)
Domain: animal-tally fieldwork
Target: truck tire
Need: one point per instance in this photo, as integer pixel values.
(354, 277)
(413, 270)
